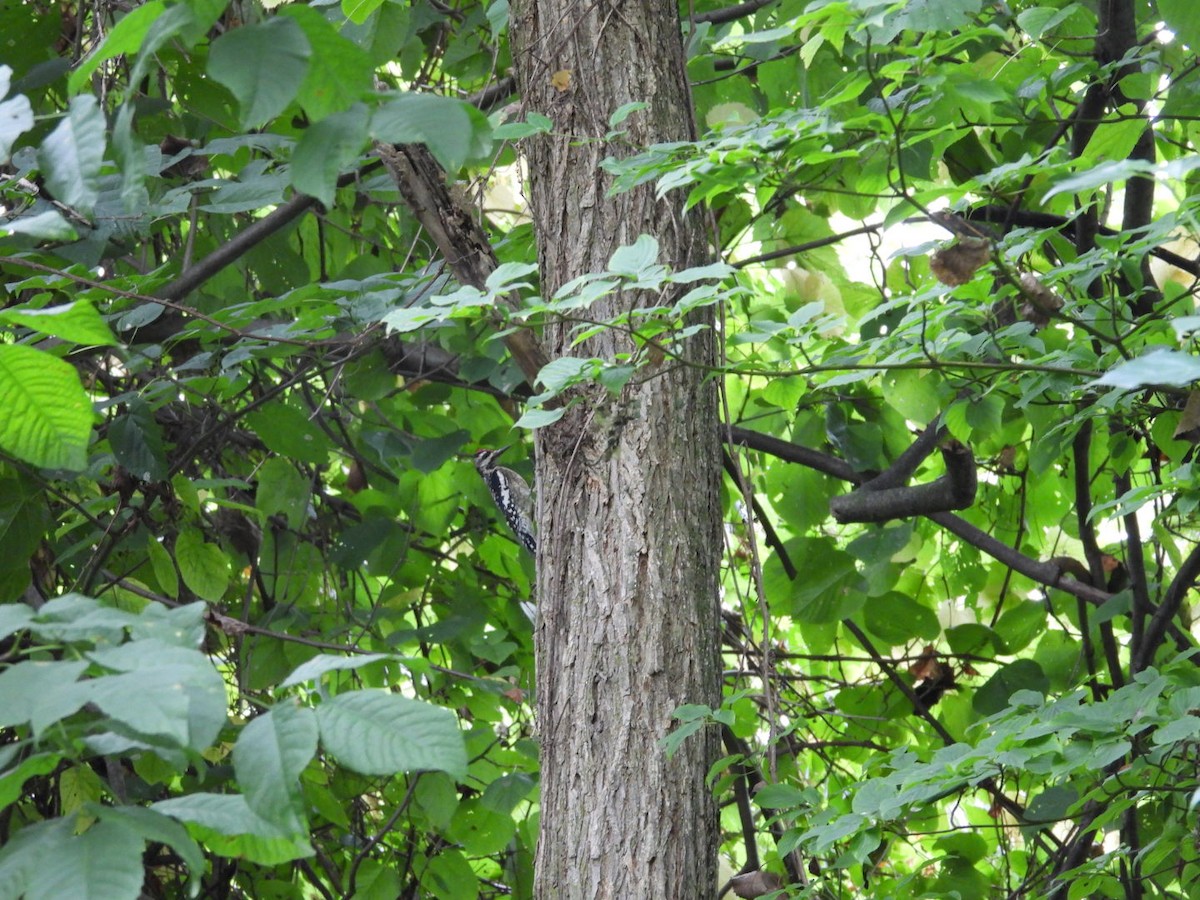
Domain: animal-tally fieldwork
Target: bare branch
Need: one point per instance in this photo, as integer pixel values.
(954, 490)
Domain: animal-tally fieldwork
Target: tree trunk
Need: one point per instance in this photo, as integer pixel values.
(628, 506)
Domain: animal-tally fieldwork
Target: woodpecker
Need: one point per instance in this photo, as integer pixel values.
(511, 495)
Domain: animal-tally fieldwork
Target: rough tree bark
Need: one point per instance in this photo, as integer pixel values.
(629, 516)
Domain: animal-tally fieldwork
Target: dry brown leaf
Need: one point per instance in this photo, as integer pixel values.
(1188, 428)
(956, 264)
(755, 884)
(1040, 302)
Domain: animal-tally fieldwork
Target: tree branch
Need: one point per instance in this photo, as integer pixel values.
(1156, 630)
(769, 531)
(1047, 573)
(954, 490)
(731, 13)
(1031, 219)
(458, 236)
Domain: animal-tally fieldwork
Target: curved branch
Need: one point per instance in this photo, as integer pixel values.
(954, 490)
(1046, 573)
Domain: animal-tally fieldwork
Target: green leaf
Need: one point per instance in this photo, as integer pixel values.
(270, 754)
(153, 826)
(47, 416)
(326, 149)
(103, 863)
(16, 116)
(509, 276)
(164, 568)
(973, 638)
(319, 665)
(137, 442)
(263, 65)
(358, 11)
(46, 224)
(123, 38)
(174, 671)
(204, 567)
(339, 72)
(1020, 675)
(24, 521)
(27, 851)
(450, 875)
(291, 433)
(896, 618)
(534, 123)
(72, 154)
(624, 111)
(12, 781)
(633, 259)
(782, 796)
(497, 16)
(1180, 16)
(827, 593)
(1037, 20)
(22, 686)
(181, 626)
(281, 489)
(73, 617)
(561, 373)
(176, 20)
(1121, 170)
(1052, 804)
(453, 130)
(77, 322)
(158, 713)
(539, 418)
(411, 318)
(377, 733)
(1020, 624)
(1160, 367)
(13, 616)
(229, 827)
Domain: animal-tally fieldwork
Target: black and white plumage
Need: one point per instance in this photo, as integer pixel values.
(511, 494)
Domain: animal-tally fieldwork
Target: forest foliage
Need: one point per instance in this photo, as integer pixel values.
(261, 628)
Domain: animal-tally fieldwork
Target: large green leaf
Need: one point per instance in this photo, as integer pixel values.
(1180, 17)
(153, 826)
(204, 566)
(123, 38)
(326, 150)
(72, 154)
(1160, 367)
(76, 321)
(270, 753)
(227, 826)
(103, 863)
(319, 665)
(454, 131)
(23, 686)
(378, 733)
(339, 72)
(137, 442)
(187, 703)
(47, 416)
(263, 65)
(16, 115)
(281, 489)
